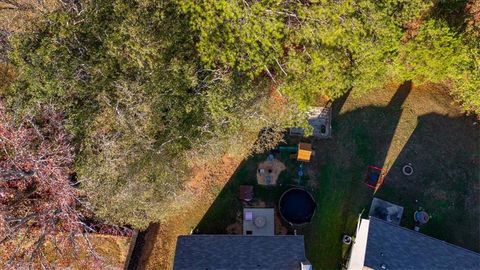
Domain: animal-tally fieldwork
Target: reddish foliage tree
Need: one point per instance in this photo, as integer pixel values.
(39, 207)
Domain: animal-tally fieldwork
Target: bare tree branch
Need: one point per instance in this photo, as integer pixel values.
(36, 197)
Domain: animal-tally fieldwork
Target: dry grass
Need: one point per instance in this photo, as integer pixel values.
(112, 251)
(159, 251)
(17, 17)
(7, 75)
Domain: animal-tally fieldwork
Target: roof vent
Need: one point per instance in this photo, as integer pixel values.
(260, 221)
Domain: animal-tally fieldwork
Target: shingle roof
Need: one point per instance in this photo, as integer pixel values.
(395, 247)
(239, 252)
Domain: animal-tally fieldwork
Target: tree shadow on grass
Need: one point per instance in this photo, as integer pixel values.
(226, 210)
(362, 137)
(227, 207)
(447, 181)
(367, 132)
(445, 154)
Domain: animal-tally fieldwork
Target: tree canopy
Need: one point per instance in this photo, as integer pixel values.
(147, 86)
(138, 99)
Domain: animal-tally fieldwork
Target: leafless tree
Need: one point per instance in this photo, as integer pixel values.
(38, 204)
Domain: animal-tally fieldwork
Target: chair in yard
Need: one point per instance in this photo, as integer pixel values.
(374, 177)
(246, 193)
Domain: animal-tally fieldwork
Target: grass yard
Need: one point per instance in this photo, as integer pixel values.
(390, 129)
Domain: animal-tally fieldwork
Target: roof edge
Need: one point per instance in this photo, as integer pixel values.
(424, 235)
(240, 235)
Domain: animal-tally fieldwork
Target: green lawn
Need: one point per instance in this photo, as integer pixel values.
(420, 127)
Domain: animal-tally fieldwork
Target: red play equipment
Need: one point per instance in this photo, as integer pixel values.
(374, 177)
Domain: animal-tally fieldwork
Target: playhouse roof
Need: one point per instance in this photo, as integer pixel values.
(304, 152)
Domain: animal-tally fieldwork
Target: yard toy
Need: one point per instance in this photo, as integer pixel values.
(268, 171)
(301, 152)
(295, 131)
(300, 171)
(304, 152)
(288, 148)
(347, 239)
(407, 169)
(297, 206)
(421, 217)
(374, 177)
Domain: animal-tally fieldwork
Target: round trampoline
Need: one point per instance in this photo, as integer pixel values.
(297, 206)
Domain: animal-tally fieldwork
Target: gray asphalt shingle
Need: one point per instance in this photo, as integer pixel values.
(393, 247)
(214, 252)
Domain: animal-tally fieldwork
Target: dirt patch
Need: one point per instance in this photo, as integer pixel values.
(279, 228)
(7, 74)
(412, 29)
(210, 175)
(237, 227)
(472, 8)
(111, 249)
(257, 203)
(268, 172)
(17, 15)
(160, 243)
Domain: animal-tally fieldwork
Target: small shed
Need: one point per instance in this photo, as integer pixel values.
(320, 118)
(258, 221)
